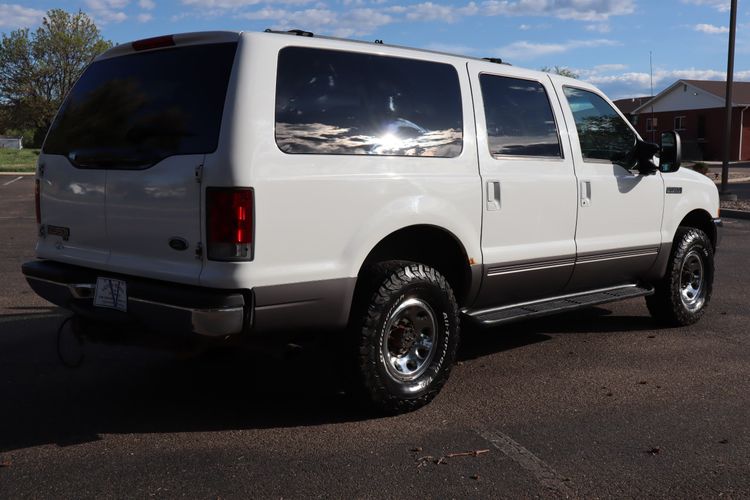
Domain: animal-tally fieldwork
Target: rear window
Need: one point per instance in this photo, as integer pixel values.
(348, 103)
(133, 111)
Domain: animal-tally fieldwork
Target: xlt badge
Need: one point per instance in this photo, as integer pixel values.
(674, 190)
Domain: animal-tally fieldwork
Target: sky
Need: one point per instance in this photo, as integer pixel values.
(607, 42)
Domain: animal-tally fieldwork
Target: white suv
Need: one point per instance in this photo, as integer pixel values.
(233, 185)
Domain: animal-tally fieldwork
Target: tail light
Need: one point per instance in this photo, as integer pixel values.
(37, 202)
(229, 213)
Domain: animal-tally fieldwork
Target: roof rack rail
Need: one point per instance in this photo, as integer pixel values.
(496, 60)
(291, 32)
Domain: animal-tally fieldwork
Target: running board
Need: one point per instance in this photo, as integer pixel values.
(554, 305)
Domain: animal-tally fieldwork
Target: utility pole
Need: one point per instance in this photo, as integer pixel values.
(730, 84)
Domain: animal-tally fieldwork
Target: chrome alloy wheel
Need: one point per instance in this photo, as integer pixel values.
(692, 282)
(409, 343)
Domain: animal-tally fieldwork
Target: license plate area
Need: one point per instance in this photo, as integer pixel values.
(111, 294)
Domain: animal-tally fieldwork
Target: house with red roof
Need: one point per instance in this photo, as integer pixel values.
(695, 108)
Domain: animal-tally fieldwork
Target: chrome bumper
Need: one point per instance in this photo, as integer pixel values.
(177, 309)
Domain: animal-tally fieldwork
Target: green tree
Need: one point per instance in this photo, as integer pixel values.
(562, 71)
(37, 69)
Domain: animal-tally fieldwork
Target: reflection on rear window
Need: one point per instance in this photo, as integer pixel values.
(346, 103)
(134, 110)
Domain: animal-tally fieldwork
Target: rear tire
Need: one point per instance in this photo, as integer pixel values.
(408, 335)
(682, 296)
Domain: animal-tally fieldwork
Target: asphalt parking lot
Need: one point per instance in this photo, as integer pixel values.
(597, 403)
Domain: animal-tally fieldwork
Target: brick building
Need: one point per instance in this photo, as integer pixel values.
(627, 106)
(695, 108)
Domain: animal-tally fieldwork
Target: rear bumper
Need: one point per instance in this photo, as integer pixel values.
(160, 306)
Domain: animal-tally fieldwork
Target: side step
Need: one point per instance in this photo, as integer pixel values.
(554, 305)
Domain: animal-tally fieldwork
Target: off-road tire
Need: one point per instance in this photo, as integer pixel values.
(666, 304)
(388, 286)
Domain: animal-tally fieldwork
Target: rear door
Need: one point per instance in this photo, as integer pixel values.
(74, 228)
(529, 186)
(142, 123)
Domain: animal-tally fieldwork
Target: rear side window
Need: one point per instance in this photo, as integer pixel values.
(347, 103)
(135, 110)
(602, 133)
(519, 118)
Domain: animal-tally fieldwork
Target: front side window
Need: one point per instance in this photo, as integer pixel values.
(602, 133)
(348, 103)
(519, 118)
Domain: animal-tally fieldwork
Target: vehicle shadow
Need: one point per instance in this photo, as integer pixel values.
(132, 390)
(479, 341)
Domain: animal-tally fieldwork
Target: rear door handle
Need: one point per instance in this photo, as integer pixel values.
(585, 193)
(493, 195)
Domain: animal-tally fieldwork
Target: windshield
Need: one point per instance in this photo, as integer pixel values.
(135, 110)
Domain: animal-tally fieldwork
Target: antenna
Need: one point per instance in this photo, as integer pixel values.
(651, 69)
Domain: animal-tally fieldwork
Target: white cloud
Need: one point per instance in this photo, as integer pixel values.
(106, 11)
(582, 10)
(265, 13)
(596, 11)
(711, 29)
(639, 83)
(235, 4)
(524, 27)
(720, 5)
(147, 4)
(145, 17)
(610, 67)
(450, 48)
(320, 20)
(429, 11)
(17, 16)
(599, 27)
(221, 4)
(528, 50)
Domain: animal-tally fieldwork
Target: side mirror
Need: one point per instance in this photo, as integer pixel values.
(670, 152)
(643, 154)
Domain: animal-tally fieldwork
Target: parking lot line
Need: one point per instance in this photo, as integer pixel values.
(540, 469)
(14, 180)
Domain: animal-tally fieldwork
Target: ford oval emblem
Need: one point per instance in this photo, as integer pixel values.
(178, 243)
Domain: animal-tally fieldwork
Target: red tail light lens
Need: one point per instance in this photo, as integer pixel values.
(37, 202)
(230, 223)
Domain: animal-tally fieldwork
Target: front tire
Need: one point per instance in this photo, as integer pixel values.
(681, 298)
(408, 335)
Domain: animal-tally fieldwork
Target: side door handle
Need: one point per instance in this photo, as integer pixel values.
(493, 195)
(585, 193)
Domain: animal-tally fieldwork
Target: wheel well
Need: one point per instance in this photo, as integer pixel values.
(700, 219)
(429, 245)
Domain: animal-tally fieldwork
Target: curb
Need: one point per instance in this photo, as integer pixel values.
(17, 173)
(735, 214)
(736, 180)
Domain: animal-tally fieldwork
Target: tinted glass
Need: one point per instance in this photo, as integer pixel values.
(603, 134)
(519, 117)
(332, 102)
(132, 111)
